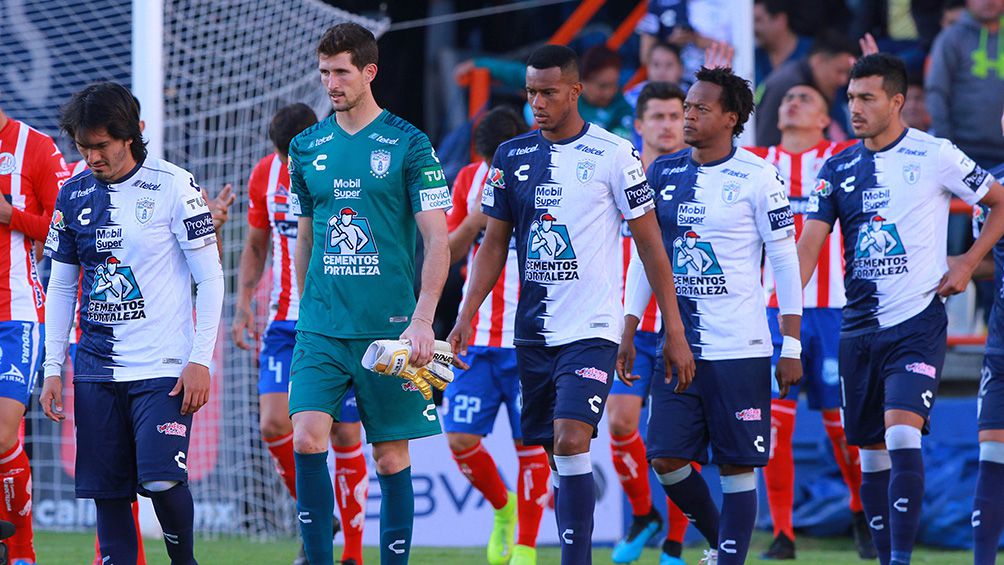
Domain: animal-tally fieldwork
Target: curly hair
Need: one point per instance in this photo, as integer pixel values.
(736, 96)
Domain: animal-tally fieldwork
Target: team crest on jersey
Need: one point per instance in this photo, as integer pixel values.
(879, 250)
(911, 173)
(380, 163)
(584, 170)
(550, 256)
(144, 210)
(7, 163)
(115, 295)
(695, 267)
(730, 192)
(349, 247)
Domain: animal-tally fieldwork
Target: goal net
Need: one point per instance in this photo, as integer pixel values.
(228, 65)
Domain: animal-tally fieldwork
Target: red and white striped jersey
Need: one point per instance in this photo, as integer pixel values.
(31, 171)
(826, 287)
(495, 321)
(269, 209)
(651, 320)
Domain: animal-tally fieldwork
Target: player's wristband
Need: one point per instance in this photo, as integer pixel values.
(791, 348)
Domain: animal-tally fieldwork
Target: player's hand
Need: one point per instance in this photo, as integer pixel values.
(6, 211)
(719, 54)
(868, 45)
(219, 207)
(678, 357)
(458, 339)
(52, 399)
(626, 354)
(419, 333)
(788, 373)
(243, 321)
(957, 278)
(194, 381)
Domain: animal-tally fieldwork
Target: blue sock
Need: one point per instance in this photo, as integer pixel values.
(315, 506)
(738, 517)
(116, 531)
(575, 512)
(906, 490)
(176, 512)
(690, 493)
(875, 471)
(397, 516)
(988, 515)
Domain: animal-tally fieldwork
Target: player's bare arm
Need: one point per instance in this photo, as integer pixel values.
(810, 244)
(462, 238)
(961, 269)
(676, 351)
(626, 353)
(304, 244)
(249, 273)
(435, 266)
(488, 264)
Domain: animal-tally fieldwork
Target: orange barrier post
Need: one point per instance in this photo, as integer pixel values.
(480, 86)
(639, 75)
(578, 20)
(624, 31)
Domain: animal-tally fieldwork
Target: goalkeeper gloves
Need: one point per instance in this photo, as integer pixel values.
(390, 357)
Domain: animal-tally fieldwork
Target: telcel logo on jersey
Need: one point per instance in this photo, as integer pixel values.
(696, 271)
(349, 248)
(115, 295)
(550, 256)
(108, 239)
(523, 150)
(879, 250)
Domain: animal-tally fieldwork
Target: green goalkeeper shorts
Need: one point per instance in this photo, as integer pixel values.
(325, 367)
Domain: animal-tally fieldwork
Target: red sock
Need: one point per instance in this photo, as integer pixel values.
(281, 448)
(15, 473)
(141, 555)
(677, 520)
(478, 466)
(846, 455)
(779, 474)
(632, 469)
(534, 477)
(352, 485)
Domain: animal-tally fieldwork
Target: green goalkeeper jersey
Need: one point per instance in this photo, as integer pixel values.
(362, 192)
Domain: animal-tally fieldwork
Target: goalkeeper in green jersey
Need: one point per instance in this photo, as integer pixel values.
(362, 181)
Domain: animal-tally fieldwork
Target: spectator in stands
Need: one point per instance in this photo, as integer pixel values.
(965, 82)
(951, 12)
(663, 65)
(827, 68)
(601, 102)
(915, 114)
(776, 42)
(691, 25)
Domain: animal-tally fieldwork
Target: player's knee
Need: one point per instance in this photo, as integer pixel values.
(462, 442)
(8, 438)
(307, 441)
(274, 425)
(664, 465)
(346, 434)
(570, 444)
(621, 425)
(391, 457)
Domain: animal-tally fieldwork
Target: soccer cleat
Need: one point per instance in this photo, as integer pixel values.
(523, 555)
(710, 557)
(671, 553)
(643, 529)
(863, 537)
(301, 558)
(500, 544)
(783, 548)
(667, 559)
(22, 562)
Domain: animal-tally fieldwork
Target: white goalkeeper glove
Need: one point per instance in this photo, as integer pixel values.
(390, 357)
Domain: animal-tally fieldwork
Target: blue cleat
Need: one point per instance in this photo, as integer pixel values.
(671, 554)
(642, 530)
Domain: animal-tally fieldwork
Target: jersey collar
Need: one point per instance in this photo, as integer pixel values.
(582, 132)
(128, 175)
(891, 145)
(712, 163)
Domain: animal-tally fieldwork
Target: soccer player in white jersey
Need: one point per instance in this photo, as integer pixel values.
(472, 401)
(803, 119)
(720, 205)
(272, 223)
(568, 318)
(892, 341)
(142, 366)
(659, 123)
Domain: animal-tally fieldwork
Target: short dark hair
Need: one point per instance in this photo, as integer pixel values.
(736, 96)
(775, 7)
(549, 56)
(353, 39)
(106, 105)
(668, 47)
(890, 67)
(597, 58)
(498, 125)
(657, 91)
(287, 122)
(831, 43)
(811, 85)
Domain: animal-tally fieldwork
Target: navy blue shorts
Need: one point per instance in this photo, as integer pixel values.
(727, 407)
(568, 381)
(646, 346)
(472, 401)
(895, 368)
(128, 433)
(20, 358)
(820, 356)
(990, 404)
(275, 359)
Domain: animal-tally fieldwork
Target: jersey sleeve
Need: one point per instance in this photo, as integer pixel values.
(60, 243)
(257, 193)
(631, 190)
(774, 218)
(494, 196)
(191, 221)
(822, 204)
(461, 191)
(961, 176)
(300, 202)
(47, 171)
(424, 178)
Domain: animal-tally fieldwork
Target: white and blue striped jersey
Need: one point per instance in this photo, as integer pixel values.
(892, 205)
(995, 333)
(129, 240)
(715, 219)
(566, 200)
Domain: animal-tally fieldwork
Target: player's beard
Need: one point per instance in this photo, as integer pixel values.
(348, 104)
